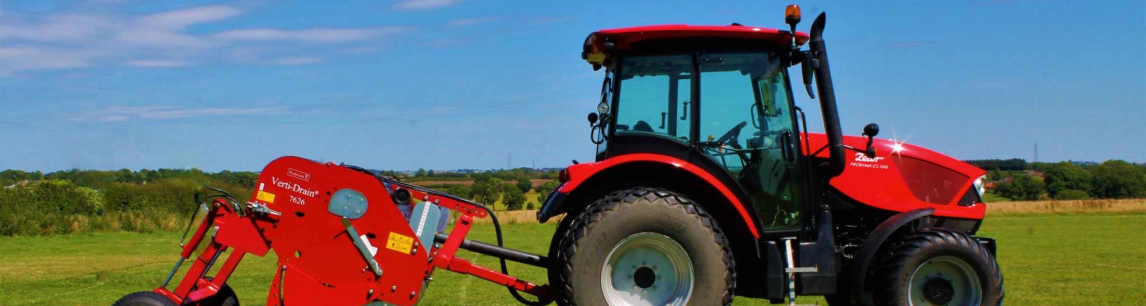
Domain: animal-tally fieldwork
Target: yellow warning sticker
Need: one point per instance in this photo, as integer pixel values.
(265, 197)
(400, 243)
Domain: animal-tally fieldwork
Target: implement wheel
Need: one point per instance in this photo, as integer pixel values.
(941, 267)
(144, 298)
(644, 246)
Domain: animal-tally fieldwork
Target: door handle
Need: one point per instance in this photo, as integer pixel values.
(663, 114)
(786, 144)
(684, 111)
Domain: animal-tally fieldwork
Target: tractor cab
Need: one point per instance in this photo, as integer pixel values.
(715, 96)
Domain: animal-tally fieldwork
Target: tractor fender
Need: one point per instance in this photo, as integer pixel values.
(578, 174)
(873, 243)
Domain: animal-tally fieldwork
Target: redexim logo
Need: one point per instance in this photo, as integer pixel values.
(293, 187)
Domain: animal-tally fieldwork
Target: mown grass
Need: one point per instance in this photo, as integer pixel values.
(1047, 259)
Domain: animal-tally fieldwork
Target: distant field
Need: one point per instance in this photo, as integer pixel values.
(1066, 207)
(1047, 259)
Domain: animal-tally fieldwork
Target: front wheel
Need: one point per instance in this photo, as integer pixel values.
(644, 246)
(941, 267)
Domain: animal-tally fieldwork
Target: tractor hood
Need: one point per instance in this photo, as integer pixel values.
(903, 177)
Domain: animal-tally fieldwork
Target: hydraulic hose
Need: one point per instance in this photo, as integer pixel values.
(504, 269)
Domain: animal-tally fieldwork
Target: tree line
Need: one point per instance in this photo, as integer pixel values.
(76, 201)
(1017, 179)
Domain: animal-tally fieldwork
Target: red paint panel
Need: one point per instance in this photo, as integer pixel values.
(624, 38)
(904, 177)
(579, 173)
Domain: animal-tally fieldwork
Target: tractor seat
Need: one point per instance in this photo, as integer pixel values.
(642, 126)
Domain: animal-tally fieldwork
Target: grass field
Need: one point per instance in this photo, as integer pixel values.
(1047, 259)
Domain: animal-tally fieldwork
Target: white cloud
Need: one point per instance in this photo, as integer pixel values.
(179, 19)
(302, 60)
(424, 4)
(128, 113)
(157, 63)
(465, 22)
(312, 35)
(26, 57)
(86, 36)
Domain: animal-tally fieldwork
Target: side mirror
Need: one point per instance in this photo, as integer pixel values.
(870, 130)
(592, 118)
(806, 67)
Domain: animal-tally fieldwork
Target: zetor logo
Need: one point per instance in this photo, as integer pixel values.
(294, 187)
(292, 172)
(860, 157)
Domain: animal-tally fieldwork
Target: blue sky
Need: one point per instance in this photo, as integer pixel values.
(446, 84)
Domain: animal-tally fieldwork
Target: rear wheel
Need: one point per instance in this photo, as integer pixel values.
(644, 246)
(941, 267)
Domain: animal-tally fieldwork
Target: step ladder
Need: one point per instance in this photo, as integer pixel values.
(792, 270)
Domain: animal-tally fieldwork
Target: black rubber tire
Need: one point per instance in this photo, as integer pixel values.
(915, 250)
(144, 298)
(614, 217)
(838, 299)
(225, 297)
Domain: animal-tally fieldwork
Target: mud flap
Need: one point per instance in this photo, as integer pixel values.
(822, 255)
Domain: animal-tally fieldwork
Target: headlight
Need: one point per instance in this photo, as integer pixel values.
(980, 187)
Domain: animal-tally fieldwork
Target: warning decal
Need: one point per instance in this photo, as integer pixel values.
(400, 243)
(265, 197)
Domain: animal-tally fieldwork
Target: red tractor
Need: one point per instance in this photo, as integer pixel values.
(685, 205)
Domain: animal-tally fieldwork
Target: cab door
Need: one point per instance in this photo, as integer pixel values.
(747, 126)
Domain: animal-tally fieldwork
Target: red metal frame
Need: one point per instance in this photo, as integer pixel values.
(318, 262)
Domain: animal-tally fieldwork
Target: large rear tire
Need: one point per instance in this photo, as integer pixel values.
(940, 267)
(644, 246)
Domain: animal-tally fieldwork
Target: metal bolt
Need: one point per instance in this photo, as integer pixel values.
(630, 277)
(644, 263)
(654, 287)
(370, 292)
(394, 288)
(412, 294)
(654, 267)
(658, 277)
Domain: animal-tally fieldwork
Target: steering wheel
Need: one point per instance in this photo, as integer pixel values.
(730, 138)
(716, 147)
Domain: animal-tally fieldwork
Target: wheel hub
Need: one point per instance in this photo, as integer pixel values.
(647, 269)
(938, 291)
(945, 280)
(644, 277)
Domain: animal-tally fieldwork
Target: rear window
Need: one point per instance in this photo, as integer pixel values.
(929, 182)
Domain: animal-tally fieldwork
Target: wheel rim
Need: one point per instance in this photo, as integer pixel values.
(647, 269)
(945, 280)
